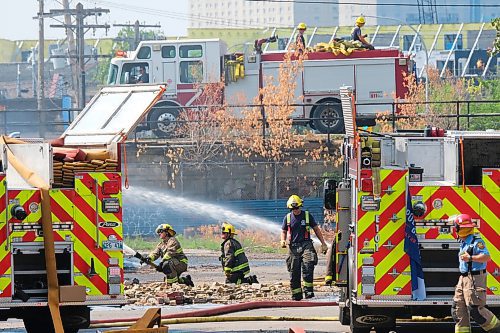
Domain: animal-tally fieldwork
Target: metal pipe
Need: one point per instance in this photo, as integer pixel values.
(472, 50)
(451, 50)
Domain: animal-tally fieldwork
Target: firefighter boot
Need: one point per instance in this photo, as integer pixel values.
(187, 281)
(309, 294)
(253, 279)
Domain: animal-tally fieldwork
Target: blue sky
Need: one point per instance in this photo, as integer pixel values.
(16, 16)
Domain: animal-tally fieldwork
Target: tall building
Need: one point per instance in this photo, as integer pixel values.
(260, 14)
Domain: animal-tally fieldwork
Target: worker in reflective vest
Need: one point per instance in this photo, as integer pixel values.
(233, 258)
(469, 300)
(301, 253)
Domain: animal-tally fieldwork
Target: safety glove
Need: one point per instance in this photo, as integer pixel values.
(283, 244)
(159, 268)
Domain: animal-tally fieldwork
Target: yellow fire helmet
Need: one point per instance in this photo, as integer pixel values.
(165, 227)
(302, 26)
(360, 20)
(294, 201)
(228, 228)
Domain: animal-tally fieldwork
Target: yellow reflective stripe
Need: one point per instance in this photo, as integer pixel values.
(238, 252)
(462, 329)
(490, 185)
(288, 217)
(307, 222)
(328, 278)
(296, 291)
(239, 267)
(492, 324)
(179, 250)
(184, 260)
(166, 257)
(308, 284)
(173, 280)
(89, 197)
(227, 269)
(2, 193)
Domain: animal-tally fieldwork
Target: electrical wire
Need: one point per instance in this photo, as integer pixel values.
(374, 4)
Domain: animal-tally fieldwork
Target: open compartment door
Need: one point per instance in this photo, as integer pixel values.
(111, 115)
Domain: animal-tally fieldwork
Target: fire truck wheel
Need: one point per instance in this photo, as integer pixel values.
(73, 319)
(323, 114)
(162, 120)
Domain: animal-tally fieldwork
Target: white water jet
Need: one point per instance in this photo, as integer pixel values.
(216, 212)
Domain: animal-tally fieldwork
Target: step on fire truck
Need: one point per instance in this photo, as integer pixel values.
(85, 215)
(377, 77)
(442, 177)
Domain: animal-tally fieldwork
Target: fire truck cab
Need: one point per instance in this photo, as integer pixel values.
(186, 65)
(82, 176)
(438, 177)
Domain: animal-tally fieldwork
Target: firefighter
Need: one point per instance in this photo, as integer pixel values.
(173, 260)
(300, 40)
(233, 258)
(469, 300)
(301, 253)
(356, 34)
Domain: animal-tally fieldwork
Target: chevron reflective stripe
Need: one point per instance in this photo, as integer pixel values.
(5, 258)
(376, 228)
(80, 205)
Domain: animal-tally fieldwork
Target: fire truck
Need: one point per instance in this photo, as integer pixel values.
(438, 176)
(81, 210)
(186, 65)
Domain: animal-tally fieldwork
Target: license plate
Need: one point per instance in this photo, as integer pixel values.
(112, 245)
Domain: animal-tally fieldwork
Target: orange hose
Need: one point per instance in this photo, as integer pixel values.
(225, 309)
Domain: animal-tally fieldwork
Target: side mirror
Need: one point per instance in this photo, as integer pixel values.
(330, 194)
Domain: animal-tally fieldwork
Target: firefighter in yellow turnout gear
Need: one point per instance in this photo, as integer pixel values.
(301, 253)
(174, 261)
(233, 258)
(469, 300)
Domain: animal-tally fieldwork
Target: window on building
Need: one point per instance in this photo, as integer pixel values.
(190, 51)
(450, 38)
(168, 51)
(191, 71)
(407, 40)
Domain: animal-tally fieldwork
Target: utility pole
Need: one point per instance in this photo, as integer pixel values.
(41, 58)
(79, 27)
(70, 36)
(137, 32)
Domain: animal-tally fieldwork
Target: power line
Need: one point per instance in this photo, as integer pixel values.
(373, 4)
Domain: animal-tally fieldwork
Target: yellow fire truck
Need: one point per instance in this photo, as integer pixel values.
(61, 215)
(435, 177)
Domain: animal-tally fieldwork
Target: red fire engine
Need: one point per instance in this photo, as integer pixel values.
(377, 77)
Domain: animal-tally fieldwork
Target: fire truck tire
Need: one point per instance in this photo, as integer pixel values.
(357, 327)
(74, 319)
(162, 120)
(328, 109)
(344, 316)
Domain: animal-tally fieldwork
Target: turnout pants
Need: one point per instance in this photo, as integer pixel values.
(469, 303)
(173, 270)
(301, 256)
(237, 277)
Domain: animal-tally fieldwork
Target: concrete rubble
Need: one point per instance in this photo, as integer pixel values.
(158, 293)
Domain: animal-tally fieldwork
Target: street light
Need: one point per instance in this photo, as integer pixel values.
(425, 48)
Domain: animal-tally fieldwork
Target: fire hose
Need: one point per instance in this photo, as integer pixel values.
(220, 310)
(48, 236)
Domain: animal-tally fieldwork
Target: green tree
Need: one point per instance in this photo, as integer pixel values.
(496, 24)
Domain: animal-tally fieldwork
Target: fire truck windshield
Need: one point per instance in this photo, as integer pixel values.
(113, 72)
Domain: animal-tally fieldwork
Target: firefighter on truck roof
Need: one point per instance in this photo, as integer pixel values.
(357, 35)
(469, 300)
(233, 258)
(174, 262)
(301, 253)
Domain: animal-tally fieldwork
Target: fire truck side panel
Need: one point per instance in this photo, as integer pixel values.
(370, 88)
(99, 218)
(5, 258)
(382, 264)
